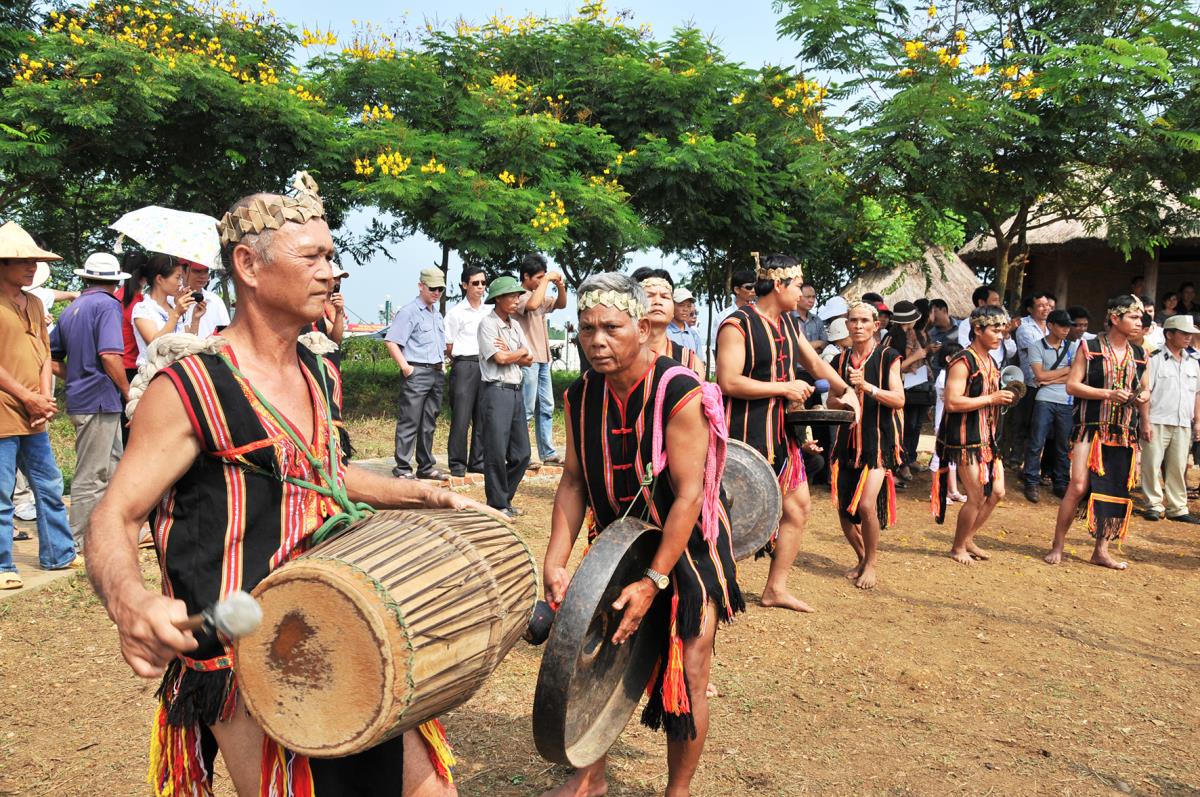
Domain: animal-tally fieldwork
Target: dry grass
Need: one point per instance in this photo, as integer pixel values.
(1007, 678)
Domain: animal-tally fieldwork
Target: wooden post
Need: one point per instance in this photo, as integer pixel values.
(1061, 281)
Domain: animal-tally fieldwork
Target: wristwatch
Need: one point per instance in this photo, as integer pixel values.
(660, 581)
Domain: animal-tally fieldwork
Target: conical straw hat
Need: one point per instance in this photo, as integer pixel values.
(16, 244)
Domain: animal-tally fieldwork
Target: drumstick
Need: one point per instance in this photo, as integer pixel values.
(237, 615)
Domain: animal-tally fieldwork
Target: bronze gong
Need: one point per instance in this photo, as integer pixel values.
(587, 687)
(755, 500)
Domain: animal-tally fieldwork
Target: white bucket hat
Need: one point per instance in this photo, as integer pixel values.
(101, 266)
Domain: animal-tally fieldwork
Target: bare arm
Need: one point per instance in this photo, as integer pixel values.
(731, 359)
(114, 366)
(538, 296)
(560, 301)
(162, 446)
(337, 330)
(687, 447)
(384, 492)
(566, 518)
(150, 330)
(1076, 385)
(956, 389)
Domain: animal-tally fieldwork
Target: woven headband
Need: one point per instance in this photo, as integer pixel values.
(990, 321)
(273, 212)
(1135, 306)
(656, 282)
(614, 299)
(795, 272)
(854, 306)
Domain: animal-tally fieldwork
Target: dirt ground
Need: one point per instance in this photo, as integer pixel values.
(1007, 677)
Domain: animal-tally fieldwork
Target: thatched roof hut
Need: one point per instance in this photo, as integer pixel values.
(941, 274)
(982, 248)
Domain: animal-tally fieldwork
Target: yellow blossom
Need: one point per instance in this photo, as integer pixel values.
(738, 99)
(960, 35)
(906, 72)
(507, 177)
(981, 71)
(1008, 43)
(932, 11)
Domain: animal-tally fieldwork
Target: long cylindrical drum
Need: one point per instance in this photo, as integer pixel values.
(390, 624)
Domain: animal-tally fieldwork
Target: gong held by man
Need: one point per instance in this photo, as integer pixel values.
(236, 451)
(641, 432)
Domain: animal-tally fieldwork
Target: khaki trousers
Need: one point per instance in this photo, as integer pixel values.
(1166, 451)
(98, 447)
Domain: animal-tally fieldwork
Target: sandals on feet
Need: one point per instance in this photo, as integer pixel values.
(10, 581)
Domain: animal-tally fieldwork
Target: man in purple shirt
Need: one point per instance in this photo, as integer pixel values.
(87, 348)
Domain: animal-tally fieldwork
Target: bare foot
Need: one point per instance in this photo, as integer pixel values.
(1054, 557)
(580, 785)
(962, 557)
(977, 552)
(711, 690)
(1104, 560)
(867, 579)
(784, 600)
(854, 572)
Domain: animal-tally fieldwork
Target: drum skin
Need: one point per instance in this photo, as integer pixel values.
(383, 627)
(587, 687)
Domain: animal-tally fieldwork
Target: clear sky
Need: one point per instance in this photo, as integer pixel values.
(745, 31)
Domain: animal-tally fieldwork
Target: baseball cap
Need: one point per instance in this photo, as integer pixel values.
(433, 277)
(1060, 318)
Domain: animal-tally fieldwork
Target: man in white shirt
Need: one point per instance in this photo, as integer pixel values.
(1171, 424)
(987, 296)
(216, 315)
(462, 326)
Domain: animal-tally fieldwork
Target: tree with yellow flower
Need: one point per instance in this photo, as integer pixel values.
(1019, 113)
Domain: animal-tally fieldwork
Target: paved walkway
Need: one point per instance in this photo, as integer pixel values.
(25, 555)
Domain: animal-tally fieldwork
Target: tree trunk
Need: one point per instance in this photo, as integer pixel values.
(1003, 247)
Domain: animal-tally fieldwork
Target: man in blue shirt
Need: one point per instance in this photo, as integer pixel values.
(87, 347)
(417, 342)
(679, 330)
(1050, 362)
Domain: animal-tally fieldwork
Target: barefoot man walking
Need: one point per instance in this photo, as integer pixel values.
(759, 351)
(967, 436)
(864, 490)
(1106, 381)
(641, 432)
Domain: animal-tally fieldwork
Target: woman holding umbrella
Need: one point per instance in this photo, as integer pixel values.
(166, 304)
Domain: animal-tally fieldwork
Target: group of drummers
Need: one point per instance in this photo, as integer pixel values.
(236, 456)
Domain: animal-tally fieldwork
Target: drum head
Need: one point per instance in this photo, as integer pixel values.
(755, 500)
(820, 417)
(588, 687)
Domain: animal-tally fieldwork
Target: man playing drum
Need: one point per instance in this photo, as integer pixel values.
(864, 454)
(619, 416)
(225, 450)
(967, 436)
(759, 351)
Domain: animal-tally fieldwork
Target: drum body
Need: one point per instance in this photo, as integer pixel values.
(390, 624)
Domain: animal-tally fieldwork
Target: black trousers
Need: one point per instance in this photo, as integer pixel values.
(506, 442)
(465, 411)
(420, 401)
